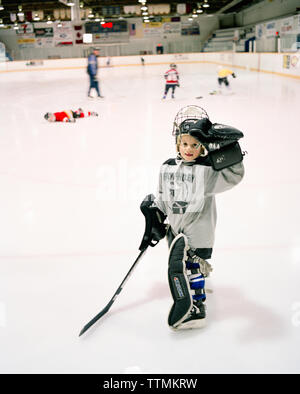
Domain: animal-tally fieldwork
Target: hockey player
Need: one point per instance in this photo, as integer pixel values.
(92, 69)
(68, 115)
(223, 74)
(172, 80)
(209, 161)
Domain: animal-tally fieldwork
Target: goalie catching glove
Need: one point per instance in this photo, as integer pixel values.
(155, 227)
(220, 141)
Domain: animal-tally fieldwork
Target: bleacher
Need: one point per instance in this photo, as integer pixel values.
(221, 40)
(224, 40)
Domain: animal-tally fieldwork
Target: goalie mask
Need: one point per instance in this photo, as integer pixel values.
(191, 120)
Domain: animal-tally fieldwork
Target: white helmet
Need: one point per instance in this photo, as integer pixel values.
(187, 116)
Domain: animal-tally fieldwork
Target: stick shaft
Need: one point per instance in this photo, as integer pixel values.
(107, 307)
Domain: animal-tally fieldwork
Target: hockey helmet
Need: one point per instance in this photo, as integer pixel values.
(190, 119)
(49, 116)
(173, 65)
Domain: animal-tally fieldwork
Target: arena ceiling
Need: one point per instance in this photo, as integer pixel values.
(215, 6)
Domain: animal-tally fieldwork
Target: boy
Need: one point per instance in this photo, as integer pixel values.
(68, 115)
(186, 196)
(223, 74)
(172, 80)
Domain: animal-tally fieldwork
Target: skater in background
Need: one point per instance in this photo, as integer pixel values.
(142, 61)
(171, 79)
(92, 70)
(68, 115)
(186, 197)
(223, 74)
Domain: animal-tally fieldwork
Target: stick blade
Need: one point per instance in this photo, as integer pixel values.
(95, 319)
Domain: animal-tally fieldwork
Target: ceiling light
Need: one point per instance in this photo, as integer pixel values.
(144, 8)
(91, 15)
(81, 4)
(1, 6)
(70, 3)
(1, 23)
(205, 5)
(49, 21)
(36, 17)
(20, 13)
(145, 13)
(199, 11)
(97, 19)
(16, 26)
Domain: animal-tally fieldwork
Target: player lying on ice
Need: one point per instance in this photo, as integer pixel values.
(209, 161)
(68, 115)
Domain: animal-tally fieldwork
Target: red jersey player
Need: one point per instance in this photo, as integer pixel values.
(68, 115)
(172, 80)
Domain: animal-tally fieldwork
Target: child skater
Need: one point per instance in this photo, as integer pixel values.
(68, 115)
(209, 161)
(223, 74)
(172, 80)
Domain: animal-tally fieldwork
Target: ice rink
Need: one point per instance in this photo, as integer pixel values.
(71, 226)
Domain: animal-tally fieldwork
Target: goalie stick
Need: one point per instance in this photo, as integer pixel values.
(146, 241)
(106, 309)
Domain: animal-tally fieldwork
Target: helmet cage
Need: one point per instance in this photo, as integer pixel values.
(187, 115)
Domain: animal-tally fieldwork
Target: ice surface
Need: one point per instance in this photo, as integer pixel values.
(70, 226)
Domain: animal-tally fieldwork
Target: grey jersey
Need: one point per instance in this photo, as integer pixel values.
(186, 194)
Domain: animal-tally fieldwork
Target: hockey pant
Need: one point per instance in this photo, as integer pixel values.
(169, 86)
(187, 285)
(223, 80)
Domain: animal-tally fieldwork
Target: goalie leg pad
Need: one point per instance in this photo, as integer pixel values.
(187, 310)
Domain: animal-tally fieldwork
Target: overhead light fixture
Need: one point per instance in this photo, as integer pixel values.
(205, 5)
(145, 13)
(20, 13)
(59, 24)
(36, 17)
(190, 18)
(1, 23)
(91, 15)
(81, 4)
(199, 10)
(146, 21)
(144, 8)
(49, 21)
(70, 3)
(16, 26)
(1, 6)
(97, 18)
